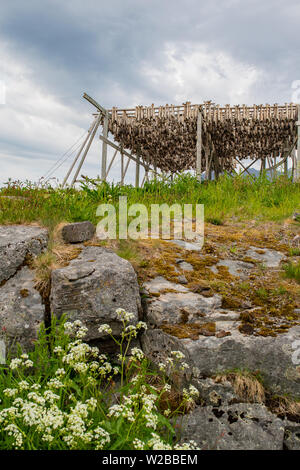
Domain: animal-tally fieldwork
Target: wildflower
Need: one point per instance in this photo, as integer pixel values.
(178, 355)
(138, 444)
(137, 354)
(105, 329)
(15, 363)
(10, 392)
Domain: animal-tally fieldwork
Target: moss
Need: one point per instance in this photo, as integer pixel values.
(24, 292)
(189, 330)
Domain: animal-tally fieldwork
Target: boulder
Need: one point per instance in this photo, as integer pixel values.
(21, 311)
(292, 436)
(235, 427)
(92, 287)
(207, 355)
(17, 243)
(78, 232)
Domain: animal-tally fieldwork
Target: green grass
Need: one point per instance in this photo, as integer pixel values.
(241, 197)
(292, 271)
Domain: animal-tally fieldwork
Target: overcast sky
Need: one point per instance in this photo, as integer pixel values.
(130, 52)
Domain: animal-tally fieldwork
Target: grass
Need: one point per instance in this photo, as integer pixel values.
(239, 197)
(292, 271)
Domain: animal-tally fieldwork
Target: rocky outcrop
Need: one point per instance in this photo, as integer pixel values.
(21, 311)
(78, 232)
(236, 427)
(273, 357)
(21, 307)
(17, 244)
(92, 287)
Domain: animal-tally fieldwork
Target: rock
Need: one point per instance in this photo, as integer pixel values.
(182, 279)
(215, 394)
(292, 436)
(92, 287)
(235, 427)
(272, 356)
(2, 351)
(185, 266)
(21, 311)
(171, 306)
(17, 243)
(235, 267)
(160, 284)
(189, 246)
(270, 258)
(78, 232)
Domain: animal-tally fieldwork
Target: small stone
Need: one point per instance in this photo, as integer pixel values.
(78, 232)
(182, 279)
(222, 334)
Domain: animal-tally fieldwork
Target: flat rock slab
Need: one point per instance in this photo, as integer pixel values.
(92, 287)
(171, 306)
(270, 258)
(189, 246)
(21, 311)
(160, 284)
(18, 242)
(274, 357)
(78, 232)
(235, 427)
(235, 267)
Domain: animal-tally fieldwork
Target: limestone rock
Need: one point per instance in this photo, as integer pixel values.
(235, 427)
(92, 287)
(169, 307)
(272, 356)
(270, 258)
(292, 436)
(78, 232)
(17, 242)
(21, 311)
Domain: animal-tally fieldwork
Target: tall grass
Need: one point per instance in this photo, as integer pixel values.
(242, 197)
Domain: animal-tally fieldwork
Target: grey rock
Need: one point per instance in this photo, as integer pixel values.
(92, 287)
(17, 242)
(274, 357)
(185, 266)
(235, 267)
(182, 279)
(215, 394)
(160, 284)
(189, 246)
(235, 427)
(2, 351)
(78, 232)
(21, 311)
(292, 436)
(169, 307)
(270, 258)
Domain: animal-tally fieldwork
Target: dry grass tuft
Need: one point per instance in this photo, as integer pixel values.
(247, 387)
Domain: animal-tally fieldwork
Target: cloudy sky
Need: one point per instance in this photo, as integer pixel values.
(130, 52)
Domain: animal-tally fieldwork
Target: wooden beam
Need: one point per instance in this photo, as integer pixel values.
(87, 149)
(79, 153)
(97, 105)
(104, 148)
(111, 162)
(297, 172)
(116, 147)
(137, 172)
(199, 146)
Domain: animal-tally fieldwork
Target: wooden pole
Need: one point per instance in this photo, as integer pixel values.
(79, 153)
(104, 147)
(137, 172)
(297, 172)
(199, 147)
(87, 148)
